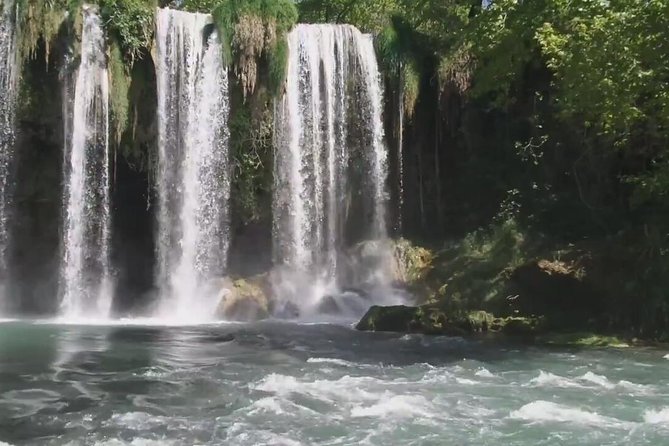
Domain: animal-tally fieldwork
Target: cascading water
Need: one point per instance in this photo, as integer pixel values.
(86, 283)
(192, 179)
(331, 161)
(8, 90)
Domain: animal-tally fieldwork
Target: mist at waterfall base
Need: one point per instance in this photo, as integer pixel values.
(287, 384)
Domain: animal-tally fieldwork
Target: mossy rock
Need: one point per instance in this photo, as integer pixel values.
(245, 300)
(429, 319)
(425, 319)
(404, 319)
(582, 340)
(518, 326)
(404, 264)
(412, 263)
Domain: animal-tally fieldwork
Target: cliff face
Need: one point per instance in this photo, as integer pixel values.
(491, 178)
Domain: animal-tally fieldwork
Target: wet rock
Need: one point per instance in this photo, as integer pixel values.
(286, 310)
(404, 319)
(329, 305)
(411, 263)
(557, 289)
(245, 300)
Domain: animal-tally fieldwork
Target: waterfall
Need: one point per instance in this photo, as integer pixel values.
(400, 152)
(86, 283)
(331, 161)
(8, 91)
(192, 178)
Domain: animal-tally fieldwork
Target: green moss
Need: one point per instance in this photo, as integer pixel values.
(41, 19)
(118, 95)
(583, 340)
(410, 79)
(253, 34)
(277, 64)
(456, 69)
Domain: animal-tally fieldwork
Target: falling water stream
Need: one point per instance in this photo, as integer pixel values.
(192, 180)
(329, 130)
(86, 283)
(8, 91)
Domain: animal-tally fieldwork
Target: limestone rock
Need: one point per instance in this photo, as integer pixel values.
(245, 300)
(399, 262)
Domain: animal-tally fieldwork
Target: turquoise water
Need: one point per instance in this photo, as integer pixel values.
(286, 384)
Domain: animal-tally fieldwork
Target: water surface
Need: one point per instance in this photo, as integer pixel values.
(287, 384)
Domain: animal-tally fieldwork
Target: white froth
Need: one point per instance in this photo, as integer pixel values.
(466, 382)
(547, 379)
(657, 416)
(334, 361)
(398, 406)
(137, 420)
(600, 380)
(269, 404)
(546, 411)
(484, 373)
(134, 442)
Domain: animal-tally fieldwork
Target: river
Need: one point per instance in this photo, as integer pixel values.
(317, 384)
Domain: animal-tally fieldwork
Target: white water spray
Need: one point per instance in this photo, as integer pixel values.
(329, 128)
(193, 180)
(8, 92)
(86, 283)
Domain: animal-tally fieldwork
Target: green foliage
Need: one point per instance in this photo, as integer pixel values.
(370, 15)
(133, 22)
(277, 65)
(607, 67)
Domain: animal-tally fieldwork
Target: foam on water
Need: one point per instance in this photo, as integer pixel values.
(546, 411)
(133, 442)
(246, 434)
(347, 388)
(125, 322)
(666, 356)
(547, 379)
(138, 420)
(333, 361)
(397, 406)
(657, 416)
(466, 381)
(600, 380)
(484, 373)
